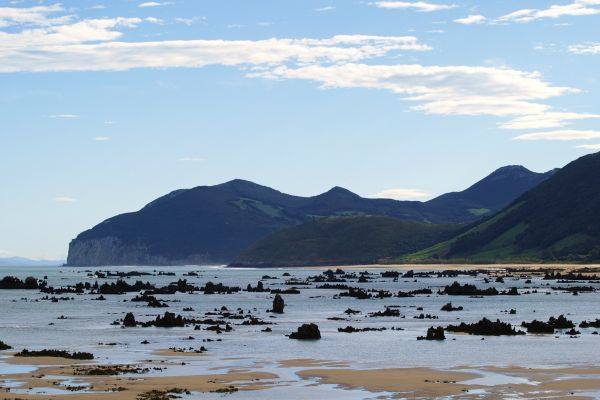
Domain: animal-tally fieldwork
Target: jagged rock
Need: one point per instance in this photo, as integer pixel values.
(169, 320)
(129, 321)
(351, 329)
(540, 327)
(212, 288)
(456, 289)
(591, 324)
(76, 355)
(30, 283)
(258, 289)
(388, 312)
(307, 332)
(4, 346)
(560, 322)
(278, 304)
(434, 334)
(448, 307)
(486, 327)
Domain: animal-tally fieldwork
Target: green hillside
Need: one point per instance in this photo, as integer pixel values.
(343, 240)
(559, 220)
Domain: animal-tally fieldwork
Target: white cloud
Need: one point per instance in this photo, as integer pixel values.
(590, 48)
(561, 135)
(341, 61)
(447, 90)
(546, 120)
(576, 8)
(191, 159)
(5, 253)
(594, 147)
(155, 4)
(67, 48)
(64, 200)
(38, 15)
(413, 5)
(154, 20)
(190, 21)
(102, 138)
(471, 20)
(327, 8)
(402, 194)
(64, 116)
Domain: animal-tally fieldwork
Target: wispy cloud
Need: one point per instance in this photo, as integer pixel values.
(327, 8)
(546, 120)
(402, 194)
(471, 20)
(38, 15)
(590, 48)
(191, 159)
(148, 4)
(102, 138)
(63, 116)
(68, 48)
(562, 135)
(445, 90)
(64, 199)
(594, 147)
(420, 6)
(576, 8)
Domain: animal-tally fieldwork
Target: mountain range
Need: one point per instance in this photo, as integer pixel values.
(26, 262)
(558, 220)
(216, 224)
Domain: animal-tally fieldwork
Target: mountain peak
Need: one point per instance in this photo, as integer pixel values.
(511, 171)
(339, 192)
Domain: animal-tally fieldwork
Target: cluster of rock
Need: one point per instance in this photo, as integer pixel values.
(485, 327)
(76, 355)
(30, 283)
(540, 327)
(434, 334)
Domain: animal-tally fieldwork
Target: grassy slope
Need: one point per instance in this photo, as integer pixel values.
(344, 240)
(559, 220)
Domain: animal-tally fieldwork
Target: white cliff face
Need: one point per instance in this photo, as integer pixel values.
(112, 251)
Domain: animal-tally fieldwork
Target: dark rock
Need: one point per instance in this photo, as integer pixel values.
(486, 327)
(434, 334)
(278, 304)
(388, 312)
(456, 289)
(4, 346)
(129, 321)
(55, 353)
(307, 332)
(30, 283)
(448, 307)
(591, 324)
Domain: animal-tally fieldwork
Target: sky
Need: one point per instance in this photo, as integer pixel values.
(108, 104)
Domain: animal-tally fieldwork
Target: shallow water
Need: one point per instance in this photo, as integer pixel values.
(26, 323)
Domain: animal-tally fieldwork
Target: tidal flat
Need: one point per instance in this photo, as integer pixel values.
(193, 332)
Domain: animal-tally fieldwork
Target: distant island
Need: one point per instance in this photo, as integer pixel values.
(225, 223)
(27, 262)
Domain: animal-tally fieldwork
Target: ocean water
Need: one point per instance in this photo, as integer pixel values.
(28, 322)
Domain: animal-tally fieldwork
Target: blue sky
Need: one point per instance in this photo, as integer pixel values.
(106, 105)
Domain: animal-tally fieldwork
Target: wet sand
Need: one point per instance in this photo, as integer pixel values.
(461, 382)
(128, 388)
